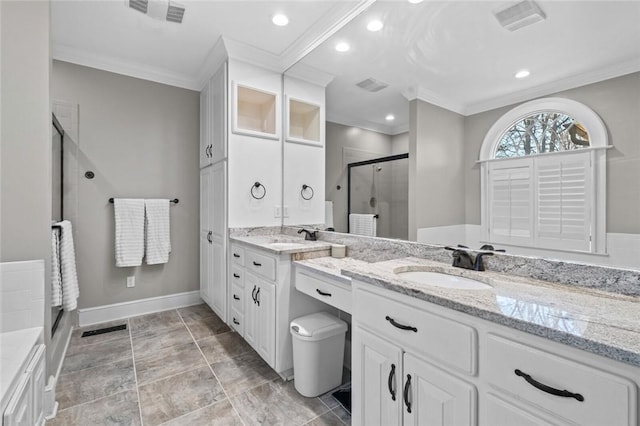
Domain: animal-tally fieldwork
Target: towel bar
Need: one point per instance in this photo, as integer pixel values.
(174, 201)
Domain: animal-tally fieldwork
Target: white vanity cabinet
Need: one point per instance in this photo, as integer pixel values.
(457, 369)
(393, 381)
(26, 403)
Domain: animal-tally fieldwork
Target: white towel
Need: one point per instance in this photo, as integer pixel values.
(158, 241)
(56, 278)
(363, 224)
(70, 289)
(328, 214)
(129, 214)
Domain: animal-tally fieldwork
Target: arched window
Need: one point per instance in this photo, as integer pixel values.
(543, 177)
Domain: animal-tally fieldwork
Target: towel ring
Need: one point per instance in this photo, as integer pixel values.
(302, 192)
(254, 190)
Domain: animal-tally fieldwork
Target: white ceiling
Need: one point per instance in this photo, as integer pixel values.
(456, 55)
(107, 34)
(451, 53)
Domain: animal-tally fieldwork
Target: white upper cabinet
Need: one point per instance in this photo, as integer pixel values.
(213, 132)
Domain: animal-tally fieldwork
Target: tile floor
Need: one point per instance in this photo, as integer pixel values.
(179, 367)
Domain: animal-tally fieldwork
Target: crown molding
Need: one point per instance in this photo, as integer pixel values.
(556, 86)
(339, 16)
(118, 66)
(310, 74)
(431, 97)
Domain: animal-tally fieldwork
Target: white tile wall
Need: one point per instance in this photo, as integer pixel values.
(21, 295)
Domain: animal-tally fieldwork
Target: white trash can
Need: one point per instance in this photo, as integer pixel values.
(318, 353)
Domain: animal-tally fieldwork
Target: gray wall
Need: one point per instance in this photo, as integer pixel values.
(436, 173)
(25, 170)
(617, 102)
(141, 139)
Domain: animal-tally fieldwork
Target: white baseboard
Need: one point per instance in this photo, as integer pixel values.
(123, 310)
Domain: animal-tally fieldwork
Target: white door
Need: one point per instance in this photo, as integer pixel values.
(432, 397)
(251, 307)
(266, 321)
(205, 144)
(205, 234)
(218, 224)
(377, 380)
(218, 94)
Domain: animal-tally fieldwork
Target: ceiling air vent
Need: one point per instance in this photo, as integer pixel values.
(139, 5)
(372, 85)
(162, 10)
(520, 15)
(175, 13)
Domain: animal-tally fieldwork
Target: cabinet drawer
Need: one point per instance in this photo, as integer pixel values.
(237, 254)
(445, 341)
(261, 264)
(607, 399)
(324, 290)
(237, 321)
(237, 297)
(237, 276)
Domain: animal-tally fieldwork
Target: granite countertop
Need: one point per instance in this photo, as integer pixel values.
(281, 244)
(592, 320)
(331, 267)
(15, 347)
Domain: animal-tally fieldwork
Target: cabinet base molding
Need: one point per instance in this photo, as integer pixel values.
(124, 310)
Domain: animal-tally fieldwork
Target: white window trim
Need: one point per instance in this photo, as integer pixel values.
(598, 140)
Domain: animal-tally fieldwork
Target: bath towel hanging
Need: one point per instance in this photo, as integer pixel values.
(157, 231)
(70, 289)
(363, 224)
(129, 216)
(56, 277)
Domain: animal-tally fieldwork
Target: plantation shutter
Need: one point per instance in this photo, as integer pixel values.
(563, 186)
(510, 202)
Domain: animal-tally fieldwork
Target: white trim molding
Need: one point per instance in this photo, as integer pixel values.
(124, 310)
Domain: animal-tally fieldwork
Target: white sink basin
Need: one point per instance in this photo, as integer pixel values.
(437, 279)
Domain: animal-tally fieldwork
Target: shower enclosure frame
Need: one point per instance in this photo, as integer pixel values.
(57, 313)
(366, 163)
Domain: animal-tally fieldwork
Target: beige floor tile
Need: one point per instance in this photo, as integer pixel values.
(96, 354)
(218, 414)
(277, 403)
(77, 339)
(175, 396)
(120, 409)
(94, 383)
(150, 342)
(223, 346)
(342, 414)
(168, 362)
(196, 312)
(207, 327)
(146, 323)
(327, 419)
(243, 372)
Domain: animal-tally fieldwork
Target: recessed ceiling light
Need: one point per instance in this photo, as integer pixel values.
(375, 25)
(280, 19)
(390, 117)
(522, 74)
(415, 1)
(343, 47)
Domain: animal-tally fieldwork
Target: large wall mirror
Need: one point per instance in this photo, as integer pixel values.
(413, 89)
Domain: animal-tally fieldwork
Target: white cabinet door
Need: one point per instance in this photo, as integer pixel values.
(19, 410)
(266, 321)
(205, 145)
(36, 369)
(433, 397)
(218, 281)
(377, 380)
(218, 93)
(250, 288)
(205, 233)
(218, 228)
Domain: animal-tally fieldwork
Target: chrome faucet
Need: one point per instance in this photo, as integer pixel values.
(309, 235)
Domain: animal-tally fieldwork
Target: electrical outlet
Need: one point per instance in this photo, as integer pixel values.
(277, 212)
(131, 281)
(285, 211)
